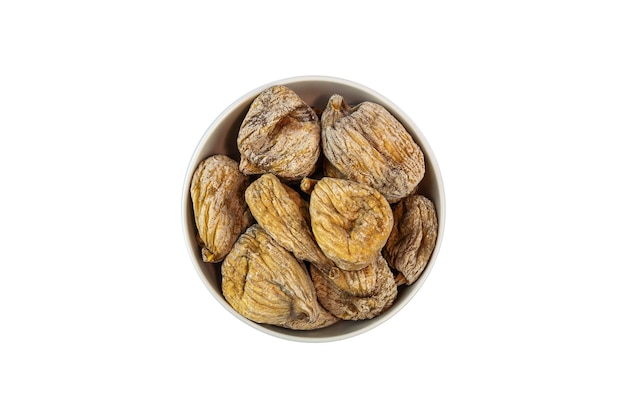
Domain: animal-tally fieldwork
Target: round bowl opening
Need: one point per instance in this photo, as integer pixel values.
(221, 137)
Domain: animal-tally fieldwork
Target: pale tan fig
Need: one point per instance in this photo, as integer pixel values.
(356, 295)
(369, 145)
(265, 283)
(413, 237)
(284, 214)
(220, 211)
(351, 221)
(280, 134)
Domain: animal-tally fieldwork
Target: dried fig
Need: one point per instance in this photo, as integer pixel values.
(220, 211)
(284, 214)
(350, 221)
(413, 237)
(265, 283)
(356, 295)
(368, 144)
(280, 134)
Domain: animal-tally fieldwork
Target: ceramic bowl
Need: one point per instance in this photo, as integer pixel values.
(221, 137)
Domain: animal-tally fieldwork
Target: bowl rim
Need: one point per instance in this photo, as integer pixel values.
(186, 223)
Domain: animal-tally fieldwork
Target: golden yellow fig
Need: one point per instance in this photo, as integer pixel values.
(220, 211)
(265, 283)
(351, 221)
(284, 214)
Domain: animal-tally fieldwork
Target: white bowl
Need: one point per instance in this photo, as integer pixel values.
(221, 138)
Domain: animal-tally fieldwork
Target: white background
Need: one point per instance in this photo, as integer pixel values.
(103, 103)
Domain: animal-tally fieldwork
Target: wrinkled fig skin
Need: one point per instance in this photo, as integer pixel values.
(220, 211)
(356, 295)
(325, 319)
(368, 144)
(412, 239)
(351, 221)
(280, 134)
(284, 214)
(265, 283)
(331, 171)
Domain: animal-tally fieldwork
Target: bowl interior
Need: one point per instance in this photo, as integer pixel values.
(220, 138)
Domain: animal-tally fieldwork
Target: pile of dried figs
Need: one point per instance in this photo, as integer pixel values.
(320, 220)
